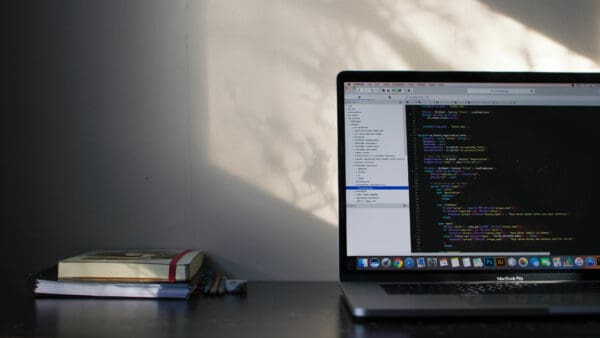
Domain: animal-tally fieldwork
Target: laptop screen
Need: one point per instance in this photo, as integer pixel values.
(469, 175)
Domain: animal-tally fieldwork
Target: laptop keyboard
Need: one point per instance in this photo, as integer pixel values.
(490, 288)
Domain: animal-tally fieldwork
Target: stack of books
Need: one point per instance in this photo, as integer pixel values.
(124, 273)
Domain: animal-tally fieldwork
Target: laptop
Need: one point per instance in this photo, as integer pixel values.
(469, 193)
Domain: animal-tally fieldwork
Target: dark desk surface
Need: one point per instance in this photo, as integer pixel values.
(268, 310)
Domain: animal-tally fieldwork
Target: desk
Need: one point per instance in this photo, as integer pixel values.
(270, 309)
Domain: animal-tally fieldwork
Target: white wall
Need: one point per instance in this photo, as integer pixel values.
(271, 67)
(211, 124)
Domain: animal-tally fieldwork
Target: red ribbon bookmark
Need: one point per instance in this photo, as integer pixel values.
(173, 265)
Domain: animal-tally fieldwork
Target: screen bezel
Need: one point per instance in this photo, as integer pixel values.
(346, 273)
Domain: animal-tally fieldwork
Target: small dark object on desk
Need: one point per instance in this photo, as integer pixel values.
(215, 284)
(221, 287)
(235, 285)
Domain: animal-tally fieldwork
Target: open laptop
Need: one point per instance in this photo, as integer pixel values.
(469, 193)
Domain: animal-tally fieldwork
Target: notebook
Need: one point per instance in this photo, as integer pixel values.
(468, 193)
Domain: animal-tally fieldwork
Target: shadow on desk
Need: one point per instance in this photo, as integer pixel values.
(70, 317)
(482, 327)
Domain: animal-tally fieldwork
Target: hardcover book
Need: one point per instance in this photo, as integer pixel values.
(132, 265)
